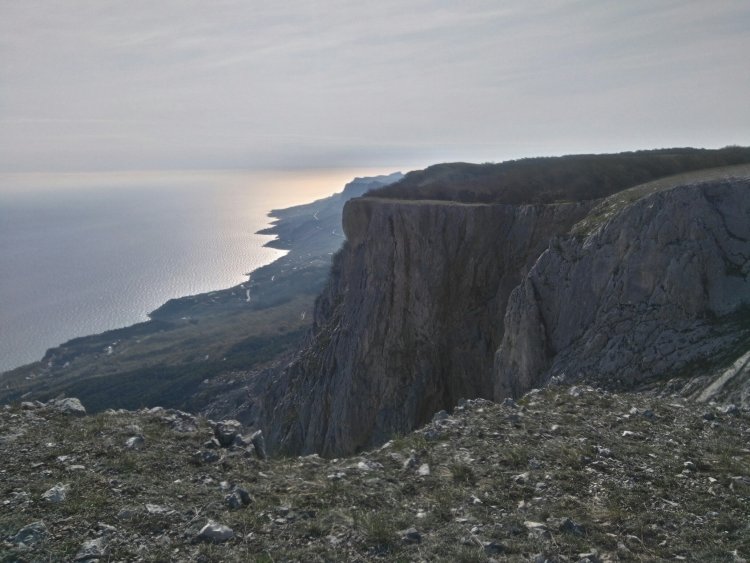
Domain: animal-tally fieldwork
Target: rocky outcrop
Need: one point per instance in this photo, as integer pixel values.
(433, 301)
(660, 287)
(410, 319)
(430, 302)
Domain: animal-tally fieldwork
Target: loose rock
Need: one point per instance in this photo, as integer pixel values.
(260, 444)
(411, 536)
(69, 405)
(215, 532)
(56, 494)
(226, 430)
(31, 534)
(92, 550)
(135, 443)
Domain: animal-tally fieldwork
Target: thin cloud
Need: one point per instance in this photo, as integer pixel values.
(263, 84)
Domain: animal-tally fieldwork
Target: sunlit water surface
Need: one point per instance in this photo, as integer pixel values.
(84, 253)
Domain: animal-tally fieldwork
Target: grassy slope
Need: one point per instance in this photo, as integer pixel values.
(642, 479)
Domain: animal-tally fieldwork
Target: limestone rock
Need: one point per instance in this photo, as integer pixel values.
(57, 494)
(215, 532)
(127, 513)
(238, 498)
(226, 431)
(638, 295)
(411, 535)
(69, 405)
(493, 548)
(409, 321)
(429, 302)
(569, 526)
(92, 550)
(31, 534)
(135, 443)
(158, 509)
(259, 443)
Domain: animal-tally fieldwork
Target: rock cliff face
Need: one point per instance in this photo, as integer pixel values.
(431, 301)
(659, 288)
(410, 319)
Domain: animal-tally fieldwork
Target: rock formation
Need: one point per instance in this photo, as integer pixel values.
(411, 317)
(656, 289)
(432, 301)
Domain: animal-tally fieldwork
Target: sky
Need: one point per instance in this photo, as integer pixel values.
(96, 85)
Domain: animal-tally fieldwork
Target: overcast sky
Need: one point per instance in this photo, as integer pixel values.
(134, 84)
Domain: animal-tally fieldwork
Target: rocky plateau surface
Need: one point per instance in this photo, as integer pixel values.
(562, 474)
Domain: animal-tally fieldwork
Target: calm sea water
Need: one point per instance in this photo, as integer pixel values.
(84, 253)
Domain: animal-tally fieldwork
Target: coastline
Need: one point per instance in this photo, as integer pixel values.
(197, 339)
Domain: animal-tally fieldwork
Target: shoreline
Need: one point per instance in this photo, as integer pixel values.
(189, 341)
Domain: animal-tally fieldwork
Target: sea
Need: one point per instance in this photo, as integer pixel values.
(81, 253)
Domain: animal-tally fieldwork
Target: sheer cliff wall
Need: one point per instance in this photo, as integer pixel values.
(429, 302)
(410, 319)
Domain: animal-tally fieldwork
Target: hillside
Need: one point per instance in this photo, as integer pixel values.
(564, 474)
(555, 179)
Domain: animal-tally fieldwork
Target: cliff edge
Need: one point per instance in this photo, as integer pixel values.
(432, 301)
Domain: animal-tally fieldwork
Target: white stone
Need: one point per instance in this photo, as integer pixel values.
(58, 493)
(215, 532)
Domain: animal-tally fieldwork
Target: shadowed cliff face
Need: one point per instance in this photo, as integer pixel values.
(662, 284)
(433, 301)
(411, 318)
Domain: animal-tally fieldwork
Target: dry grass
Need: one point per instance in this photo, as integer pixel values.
(678, 487)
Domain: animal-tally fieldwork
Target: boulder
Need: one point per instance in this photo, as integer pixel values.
(68, 405)
(226, 431)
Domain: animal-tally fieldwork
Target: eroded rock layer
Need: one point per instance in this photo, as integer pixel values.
(659, 287)
(430, 302)
(411, 317)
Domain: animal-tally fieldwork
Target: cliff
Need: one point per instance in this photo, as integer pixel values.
(433, 301)
(660, 288)
(410, 319)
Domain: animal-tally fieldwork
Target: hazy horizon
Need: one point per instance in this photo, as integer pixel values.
(89, 86)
